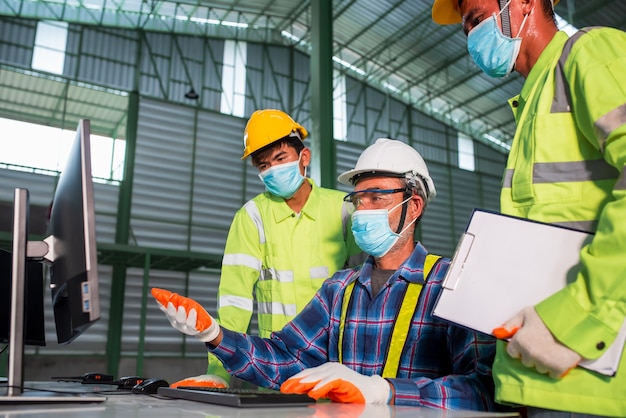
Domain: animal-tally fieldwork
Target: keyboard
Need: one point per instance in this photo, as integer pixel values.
(237, 397)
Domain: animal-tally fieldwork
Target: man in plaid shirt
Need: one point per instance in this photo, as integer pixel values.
(368, 335)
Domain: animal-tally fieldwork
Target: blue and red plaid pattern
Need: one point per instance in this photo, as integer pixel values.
(442, 365)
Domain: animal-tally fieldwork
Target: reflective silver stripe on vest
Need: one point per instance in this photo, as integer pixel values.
(283, 276)
(241, 260)
(620, 184)
(507, 181)
(561, 101)
(276, 308)
(287, 276)
(253, 213)
(320, 272)
(236, 302)
(593, 170)
(345, 217)
(588, 226)
(608, 123)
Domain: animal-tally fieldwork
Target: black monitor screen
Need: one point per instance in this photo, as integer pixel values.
(73, 272)
(34, 325)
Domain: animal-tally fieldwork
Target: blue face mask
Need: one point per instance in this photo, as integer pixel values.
(372, 232)
(283, 180)
(493, 52)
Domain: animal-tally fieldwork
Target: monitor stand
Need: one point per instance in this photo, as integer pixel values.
(15, 380)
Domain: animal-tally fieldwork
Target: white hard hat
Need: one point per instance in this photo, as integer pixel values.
(391, 157)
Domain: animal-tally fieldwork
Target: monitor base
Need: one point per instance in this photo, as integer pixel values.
(42, 396)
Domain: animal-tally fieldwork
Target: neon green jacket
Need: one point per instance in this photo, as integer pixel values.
(569, 168)
(280, 259)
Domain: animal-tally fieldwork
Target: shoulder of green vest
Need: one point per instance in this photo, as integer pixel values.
(333, 193)
(562, 97)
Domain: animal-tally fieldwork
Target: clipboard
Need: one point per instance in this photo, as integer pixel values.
(504, 263)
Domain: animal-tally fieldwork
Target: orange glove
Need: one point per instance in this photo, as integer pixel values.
(187, 315)
(207, 380)
(340, 384)
(533, 343)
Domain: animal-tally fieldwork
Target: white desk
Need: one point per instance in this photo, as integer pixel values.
(128, 405)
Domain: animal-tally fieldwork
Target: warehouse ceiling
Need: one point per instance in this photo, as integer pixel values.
(390, 44)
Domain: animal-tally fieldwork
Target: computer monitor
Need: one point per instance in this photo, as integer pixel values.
(34, 326)
(72, 230)
(70, 251)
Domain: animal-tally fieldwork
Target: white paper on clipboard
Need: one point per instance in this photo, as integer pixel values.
(503, 264)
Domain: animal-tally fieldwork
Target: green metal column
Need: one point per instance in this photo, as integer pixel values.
(324, 161)
(143, 314)
(118, 285)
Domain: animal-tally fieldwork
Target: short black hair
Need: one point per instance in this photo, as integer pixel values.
(291, 141)
(548, 10)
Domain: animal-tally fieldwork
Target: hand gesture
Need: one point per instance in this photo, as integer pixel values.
(187, 315)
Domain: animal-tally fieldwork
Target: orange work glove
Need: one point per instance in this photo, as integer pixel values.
(187, 315)
(340, 384)
(206, 380)
(533, 343)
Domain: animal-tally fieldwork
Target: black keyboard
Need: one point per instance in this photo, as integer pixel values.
(236, 391)
(239, 397)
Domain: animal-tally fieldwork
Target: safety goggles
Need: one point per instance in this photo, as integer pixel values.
(371, 198)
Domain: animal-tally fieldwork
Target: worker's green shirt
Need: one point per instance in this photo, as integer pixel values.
(568, 168)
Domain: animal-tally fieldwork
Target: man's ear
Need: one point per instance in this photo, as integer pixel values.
(305, 157)
(527, 6)
(418, 203)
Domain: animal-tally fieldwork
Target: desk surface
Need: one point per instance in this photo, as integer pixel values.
(123, 404)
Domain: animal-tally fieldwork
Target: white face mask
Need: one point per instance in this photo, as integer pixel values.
(372, 232)
(283, 180)
(493, 52)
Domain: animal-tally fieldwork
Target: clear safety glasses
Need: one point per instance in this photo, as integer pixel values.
(370, 198)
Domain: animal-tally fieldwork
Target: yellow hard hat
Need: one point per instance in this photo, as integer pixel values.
(267, 126)
(446, 12)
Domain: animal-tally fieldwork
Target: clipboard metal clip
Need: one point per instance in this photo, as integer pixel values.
(462, 250)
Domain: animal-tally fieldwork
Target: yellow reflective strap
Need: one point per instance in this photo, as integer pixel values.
(403, 321)
(430, 261)
(401, 330)
(342, 323)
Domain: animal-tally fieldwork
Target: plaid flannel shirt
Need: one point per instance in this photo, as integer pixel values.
(441, 366)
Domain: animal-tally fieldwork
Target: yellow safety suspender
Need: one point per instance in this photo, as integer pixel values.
(402, 324)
